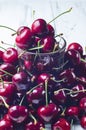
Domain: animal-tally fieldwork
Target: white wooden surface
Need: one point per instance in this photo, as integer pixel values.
(14, 13)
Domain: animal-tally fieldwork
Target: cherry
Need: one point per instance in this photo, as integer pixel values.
(82, 104)
(77, 92)
(1, 56)
(28, 65)
(73, 57)
(10, 56)
(48, 113)
(51, 31)
(39, 27)
(5, 125)
(18, 113)
(7, 91)
(24, 37)
(72, 112)
(34, 126)
(59, 96)
(68, 77)
(22, 81)
(76, 46)
(6, 71)
(83, 122)
(61, 124)
(36, 97)
(48, 44)
(43, 77)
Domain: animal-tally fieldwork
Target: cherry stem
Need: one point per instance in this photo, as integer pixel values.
(8, 28)
(63, 113)
(83, 60)
(57, 81)
(6, 105)
(69, 10)
(7, 44)
(59, 35)
(35, 121)
(55, 92)
(74, 92)
(21, 100)
(6, 72)
(46, 92)
(36, 48)
(3, 48)
(33, 88)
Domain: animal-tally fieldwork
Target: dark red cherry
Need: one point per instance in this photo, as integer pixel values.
(28, 65)
(18, 113)
(6, 125)
(39, 27)
(78, 92)
(10, 56)
(82, 104)
(7, 70)
(51, 31)
(22, 81)
(7, 91)
(34, 126)
(61, 124)
(1, 56)
(68, 76)
(75, 46)
(72, 112)
(48, 112)
(48, 44)
(73, 57)
(83, 122)
(43, 77)
(37, 96)
(24, 37)
(59, 97)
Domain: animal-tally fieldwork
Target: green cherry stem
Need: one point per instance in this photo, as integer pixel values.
(69, 10)
(46, 92)
(33, 88)
(6, 72)
(55, 92)
(6, 105)
(35, 121)
(8, 28)
(74, 92)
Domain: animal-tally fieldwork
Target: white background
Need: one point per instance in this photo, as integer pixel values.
(15, 13)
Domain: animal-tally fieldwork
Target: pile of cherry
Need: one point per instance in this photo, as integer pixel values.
(29, 101)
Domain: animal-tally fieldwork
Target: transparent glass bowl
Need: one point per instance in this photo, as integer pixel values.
(43, 62)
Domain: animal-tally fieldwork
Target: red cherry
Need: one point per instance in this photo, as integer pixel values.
(7, 91)
(48, 44)
(43, 77)
(10, 56)
(51, 31)
(6, 125)
(39, 27)
(47, 113)
(24, 37)
(82, 104)
(17, 113)
(83, 122)
(61, 124)
(34, 126)
(6, 71)
(76, 46)
(73, 57)
(22, 81)
(1, 56)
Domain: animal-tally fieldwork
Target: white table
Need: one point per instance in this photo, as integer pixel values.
(20, 12)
